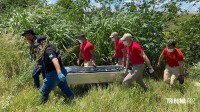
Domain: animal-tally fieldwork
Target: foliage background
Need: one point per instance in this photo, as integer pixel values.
(63, 22)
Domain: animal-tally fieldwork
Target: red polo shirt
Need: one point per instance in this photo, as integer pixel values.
(118, 44)
(85, 50)
(173, 57)
(134, 51)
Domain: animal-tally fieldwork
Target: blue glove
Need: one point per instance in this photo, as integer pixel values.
(61, 77)
(30, 58)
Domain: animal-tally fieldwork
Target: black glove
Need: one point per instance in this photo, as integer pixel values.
(181, 79)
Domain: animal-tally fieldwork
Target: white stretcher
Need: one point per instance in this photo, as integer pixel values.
(98, 74)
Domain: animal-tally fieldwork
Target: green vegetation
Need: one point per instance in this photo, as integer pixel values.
(63, 22)
(114, 98)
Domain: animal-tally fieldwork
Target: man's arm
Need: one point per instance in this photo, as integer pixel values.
(93, 54)
(181, 64)
(56, 65)
(41, 39)
(127, 63)
(146, 59)
(160, 60)
(124, 55)
(93, 57)
(79, 58)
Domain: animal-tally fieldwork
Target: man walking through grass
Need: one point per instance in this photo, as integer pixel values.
(174, 68)
(137, 57)
(86, 52)
(55, 72)
(35, 42)
(120, 50)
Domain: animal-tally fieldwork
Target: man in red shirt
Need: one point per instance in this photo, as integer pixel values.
(120, 50)
(86, 52)
(174, 66)
(137, 57)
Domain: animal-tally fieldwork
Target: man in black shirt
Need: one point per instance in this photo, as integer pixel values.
(55, 73)
(35, 42)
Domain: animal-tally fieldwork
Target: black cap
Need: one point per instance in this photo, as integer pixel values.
(171, 43)
(28, 31)
(82, 36)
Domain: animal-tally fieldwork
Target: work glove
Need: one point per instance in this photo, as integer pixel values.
(61, 77)
(150, 70)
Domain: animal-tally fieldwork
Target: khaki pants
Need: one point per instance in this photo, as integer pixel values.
(89, 63)
(171, 74)
(119, 61)
(136, 74)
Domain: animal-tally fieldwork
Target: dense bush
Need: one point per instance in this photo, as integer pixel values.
(190, 39)
(62, 25)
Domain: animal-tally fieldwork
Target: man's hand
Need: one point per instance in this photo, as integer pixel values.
(126, 71)
(61, 77)
(158, 65)
(93, 63)
(113, 59)
(78, 62)
(150, 69)
(123, 64)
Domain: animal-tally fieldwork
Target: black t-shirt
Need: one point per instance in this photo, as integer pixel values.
(50, 53)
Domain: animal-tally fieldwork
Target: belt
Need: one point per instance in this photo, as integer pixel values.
(173, 66)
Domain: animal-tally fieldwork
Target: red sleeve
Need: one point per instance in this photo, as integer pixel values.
(91, 47)
(180, 56)
(122, 45)
(164, 51)
(138, 48)
(80, 46)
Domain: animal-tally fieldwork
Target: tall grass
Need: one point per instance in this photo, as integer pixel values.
(15, 69)
(115, 98)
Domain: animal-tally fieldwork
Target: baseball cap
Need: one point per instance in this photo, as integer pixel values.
(171, 43)
(126, 36)
(28, 31)
(113, 34)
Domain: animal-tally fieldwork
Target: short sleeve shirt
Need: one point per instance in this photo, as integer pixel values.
(85, 50)
(118, 44)
(174, 57)
(50, 53)
(134, 51)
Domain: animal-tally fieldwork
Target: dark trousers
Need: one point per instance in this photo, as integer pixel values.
(38, 69)
(52, 81)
